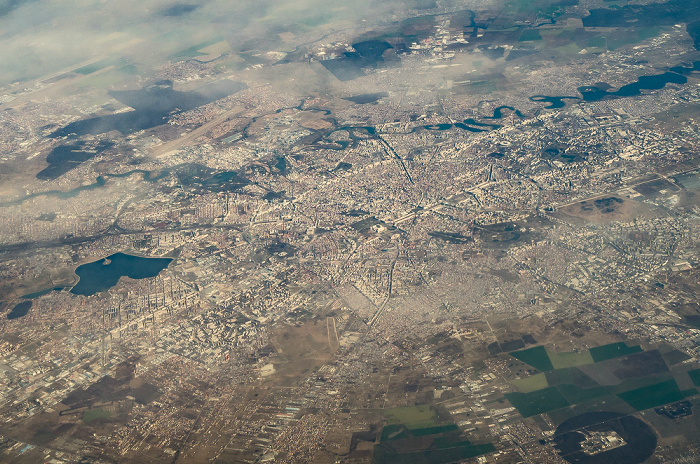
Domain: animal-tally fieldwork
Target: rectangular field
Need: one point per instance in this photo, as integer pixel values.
(653, 395)
(613, 350)
(537, 402)
(536, 357)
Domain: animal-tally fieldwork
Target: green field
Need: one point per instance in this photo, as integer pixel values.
(449, 442)
(572, 375)
(423, 445)
(604, 403)
(636, 383)
(536, 357)
(96, 66)
(597, 42)
(194, 51)
(639, 382)
(532, 383)
(575, 394)
(695, 377)
(569, 359)
(431, 456)
(537, 402)
(394, 432)
(99, 81)
(569, 49)
(644, 33)
(613, 350)
(652, 395)
(621, 42)
(480, 87)
(434, 430)
(94, 414)
(414, 417)
(551, 32)
(530, 35)
(317, 20)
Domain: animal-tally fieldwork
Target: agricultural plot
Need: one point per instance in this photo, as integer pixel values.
(569, 359)
(609, 377)
(530, 384)
(196, 50)
(386, 455)
(575, 394)
(537, 402)
(544, 359)
(404, 441)
(653, 395)
(94, 414)
(613, 350)
(536, 357)
(615, 371)
(413, 417)
(572, 376)
(695, 376)
(99, 65)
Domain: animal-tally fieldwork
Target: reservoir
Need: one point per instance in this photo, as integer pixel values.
(103, 274)
(655, 82)
(554, 102)
(19, 310)
(46, 291)
(66, 157)
(498, 112)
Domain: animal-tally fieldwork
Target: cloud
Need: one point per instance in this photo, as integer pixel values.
(179, 9)
(6, 6)
(44, 36)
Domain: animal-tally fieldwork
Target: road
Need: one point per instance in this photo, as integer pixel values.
(436, 206)
(388, 295)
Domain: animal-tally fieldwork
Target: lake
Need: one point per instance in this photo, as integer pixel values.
(153, 105)
(655, 82)
(19, 310)
(66, 157)
(103, 274)
(554, 101)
